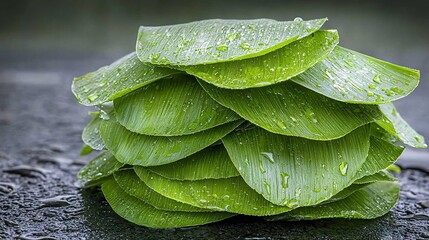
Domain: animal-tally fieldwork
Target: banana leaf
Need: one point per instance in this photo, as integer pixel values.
(171, 107)
(115, 80)
(382, 176)
(227, 194)
(290, 109)
(291, 171)
(381, 155)
(91, 134)
(141, 213)
(212, 162)
(100, 167)
(273, 67)
(137, 149)
(132, 185)
(349, 76)
(372, 201)
(218, 40)
(394, 124)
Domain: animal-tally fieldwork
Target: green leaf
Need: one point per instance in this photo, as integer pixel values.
(171, 107)
(217, 40)
(353, 77)
(372, 201)
(85, 150)
(101, 166)
(394, 168)
(377, 177)
(115, 80)
(381, 155)
(292, 171)
(276, 66)
(137, 149)
(132, 185)
(141, 213)
(212, 162)
(344, 193)
(398, 127)
(290, 109)
(91, 134)
(227, 194)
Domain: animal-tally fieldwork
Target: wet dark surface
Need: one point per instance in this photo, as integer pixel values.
(42, 47)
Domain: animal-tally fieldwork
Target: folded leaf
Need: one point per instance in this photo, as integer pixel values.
(381, 155)
(91, 134)
(115, 80)
(228, 194)
(292, 171)
(212, 162)
(290, 109)
(273, 67)
(383, 175)
(218, 40)
(101, 166)
(353, 77)
(141, 213)
(372, 201)
(132, 185)
(138, 149)
(398, 127)
(171, 107)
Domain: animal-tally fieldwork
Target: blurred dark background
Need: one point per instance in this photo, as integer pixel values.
(45, 43)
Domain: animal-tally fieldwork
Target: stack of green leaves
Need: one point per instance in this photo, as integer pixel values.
(211, 119)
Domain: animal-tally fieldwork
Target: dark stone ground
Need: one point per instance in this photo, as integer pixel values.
(40, 127)
(44, 44)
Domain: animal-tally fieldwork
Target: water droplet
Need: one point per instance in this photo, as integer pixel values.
(370, 94)
(261, 166)
(267, 186)
(92, 97)
(285, 179)
(245, 46)
(418, 138)
(268, 156)
(293, 203)
(233, 36)
(371, 86)
(297, 19)
(281, 124)
(343, 168)
(376, 78)
(394, 113)
(222, 48)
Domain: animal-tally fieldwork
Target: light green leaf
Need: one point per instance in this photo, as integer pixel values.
(171, 107)
(91, 134)
(383, 175)
(350, 76)
(381, 155)
(227, 194)
(101, 166)
(276, 66)
(292, 171)
(344, 193)
(372, 201)
(212, 162)
(290, 109)
(85, 150)
(398, 127)
(218, 40)
(115, 80)
(394, 168)
(137, 149)
(141, 213)
(132, 185)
